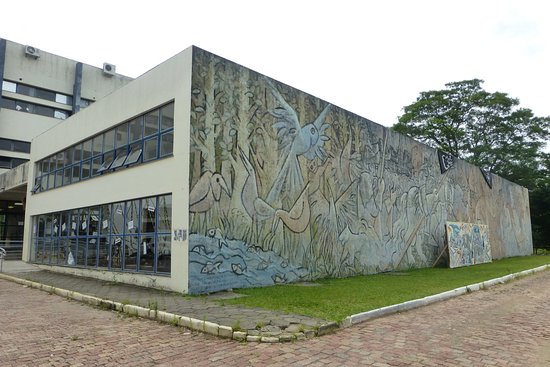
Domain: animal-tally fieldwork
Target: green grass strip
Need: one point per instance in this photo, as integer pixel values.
(334, 299)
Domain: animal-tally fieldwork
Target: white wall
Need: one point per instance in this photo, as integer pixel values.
(169, 81)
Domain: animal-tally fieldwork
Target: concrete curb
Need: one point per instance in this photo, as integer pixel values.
(409, 305)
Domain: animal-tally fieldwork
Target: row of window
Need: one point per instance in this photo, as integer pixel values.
(144, 138)
(130, 236)
(37, 92)
(34, 108)
(10, 162)
(15, 145)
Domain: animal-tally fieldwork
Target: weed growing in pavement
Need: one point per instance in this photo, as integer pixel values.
(237, 325)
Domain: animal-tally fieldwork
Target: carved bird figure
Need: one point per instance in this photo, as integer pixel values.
(255, 206)
(297, 218)
(295, 140)
(206, 192)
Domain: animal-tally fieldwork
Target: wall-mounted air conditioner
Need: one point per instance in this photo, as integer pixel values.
(109, 69)
(32, 52)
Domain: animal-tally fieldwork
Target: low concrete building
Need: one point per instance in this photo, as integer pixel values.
(203, 175)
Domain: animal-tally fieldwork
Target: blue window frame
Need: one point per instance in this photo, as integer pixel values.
(128, 236)
(145, 138)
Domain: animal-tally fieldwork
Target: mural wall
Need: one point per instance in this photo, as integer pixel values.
(468, 244)
(287, 187)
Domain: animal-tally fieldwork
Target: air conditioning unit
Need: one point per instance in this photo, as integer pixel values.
(109, 69)
(32, 52)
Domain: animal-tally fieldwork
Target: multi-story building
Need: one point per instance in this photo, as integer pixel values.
(39, 90)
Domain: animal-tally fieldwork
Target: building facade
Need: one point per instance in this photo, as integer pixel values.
(203, 175)
(39, 90)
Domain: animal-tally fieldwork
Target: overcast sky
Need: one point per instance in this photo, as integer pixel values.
(369, 57)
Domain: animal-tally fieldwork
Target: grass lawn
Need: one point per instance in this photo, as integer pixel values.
(334, 299)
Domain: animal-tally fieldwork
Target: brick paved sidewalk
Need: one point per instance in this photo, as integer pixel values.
(206, 308)
(507, 325)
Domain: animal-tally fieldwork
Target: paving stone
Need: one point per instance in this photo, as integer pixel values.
(225, 331)
(253, 338)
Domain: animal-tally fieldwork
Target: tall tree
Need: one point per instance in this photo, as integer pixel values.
(489, 130)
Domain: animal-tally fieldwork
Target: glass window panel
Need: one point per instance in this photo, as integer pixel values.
(59, 178)
(43, 110)
(25, 89)
(40, 251)
(167, 144)
(81, 252)
(38, 169)
(132, 218)
(105, 225)
(67, 174)
(48, 225)
(136, 129)
(151, 123)
(109, 140)
(150, 150)
(96, 164)
(130, 252)
(135, 154)
(116, 252)
(63, 252)
(65, 223)
(72, 254)
(53, 162)
(91, 252)
(103, 252)
(9, 104)
(86, 167)
(77, 153)
(164, 214)
(87, 149)
(45, 165)
(60, 160)
(148, 215)
(164, 253)
(73, 229)
(44, 94)
(5, 144)
(9, 86)
(121, 135)
(93, 221)
(107, 161)
(51, 181)
(97, 145)
(69, 156)
(55, 251)
(76, 173)
(121, 155)
(47, 251)
(83, 223)
(55, 225)
(41, 225)
(167, 117)
(21, 146)
(147, 253)
(23, 107)
(117, 218)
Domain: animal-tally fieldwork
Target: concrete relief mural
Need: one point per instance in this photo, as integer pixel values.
(468, 244)
(286, 187)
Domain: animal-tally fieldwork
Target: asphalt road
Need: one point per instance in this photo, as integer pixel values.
(508, 325)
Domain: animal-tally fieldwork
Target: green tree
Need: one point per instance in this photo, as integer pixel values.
(489, 130)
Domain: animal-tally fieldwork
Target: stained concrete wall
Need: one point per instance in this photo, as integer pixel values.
(286, 187)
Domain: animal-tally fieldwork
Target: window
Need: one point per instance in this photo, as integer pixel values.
(9, 86)
(15, 145)
(131, 236)
(33, 108)
(9, 162)
(144, 138)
